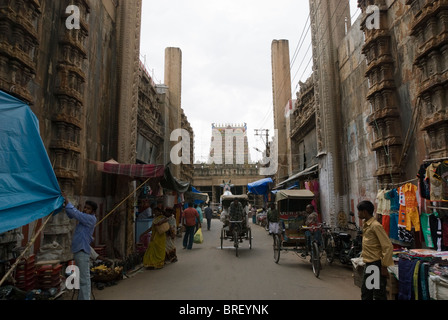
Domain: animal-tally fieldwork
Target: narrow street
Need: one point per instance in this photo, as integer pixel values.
(209, 273)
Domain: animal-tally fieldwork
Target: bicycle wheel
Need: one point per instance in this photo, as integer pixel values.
(329, 248)
(250, 238)
(315, 259)
(235, 241)
(222, 237)
(277, 247)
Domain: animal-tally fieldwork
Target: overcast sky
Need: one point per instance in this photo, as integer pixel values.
(226, 57)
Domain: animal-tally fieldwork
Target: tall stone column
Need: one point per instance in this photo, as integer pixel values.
(128, 26)
(328, 30)
(281, 86)
(173, 79)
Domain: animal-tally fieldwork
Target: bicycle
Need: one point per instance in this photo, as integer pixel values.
(315, 249)
(328, 243)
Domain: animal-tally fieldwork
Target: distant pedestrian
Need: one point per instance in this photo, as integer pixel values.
(208, 215)
(200, 219)
(254, 214)
(189, 218)
(377, 251)
(273, 219)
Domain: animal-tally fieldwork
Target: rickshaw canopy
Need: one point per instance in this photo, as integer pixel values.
(301, 194)
(227, 200)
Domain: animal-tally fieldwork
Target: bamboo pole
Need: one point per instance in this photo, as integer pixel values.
(125, 199)
(26, 249)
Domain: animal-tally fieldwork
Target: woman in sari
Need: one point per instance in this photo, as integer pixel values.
(154, 257)
(170, 248)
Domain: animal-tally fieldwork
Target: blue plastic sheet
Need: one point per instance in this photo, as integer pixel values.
(260, 187)
(29, 189)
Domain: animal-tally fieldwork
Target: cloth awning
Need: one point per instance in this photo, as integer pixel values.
(260, 187)
(132, 170)
(161, 174)
(29, 189)
(294, 194)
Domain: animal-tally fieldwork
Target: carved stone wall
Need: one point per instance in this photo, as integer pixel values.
(18, 46)
(382, 95)
(82, 84)
(303, 127)
(67, 116)
(328, 27)
(430, 31)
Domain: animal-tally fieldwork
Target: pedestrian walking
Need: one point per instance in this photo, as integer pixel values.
(273, 219)
(208, 215)
(82, 238)
(200, 219)
(154, 257)
(170, 249)
(377, 250)
(254, 214)
(189, 218)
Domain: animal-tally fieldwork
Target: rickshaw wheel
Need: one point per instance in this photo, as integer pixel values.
(235, 240)
(315, 259)
(249, 235)
(277, 247)
(222, 237)
(329, 250)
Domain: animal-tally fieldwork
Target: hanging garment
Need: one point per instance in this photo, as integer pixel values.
(385, 221)
(383, 204)
(436, 231)
(411, 215)
(406, 269)
(416, 282)
(393, 196)
(424, 285)
(441, 174)
(423, 182)
(444, 234)
(426, 229)
(435, 185)
(393, 230)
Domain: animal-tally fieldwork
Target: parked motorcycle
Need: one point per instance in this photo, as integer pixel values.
(347, 246)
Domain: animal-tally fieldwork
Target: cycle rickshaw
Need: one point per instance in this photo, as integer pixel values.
(291, 205)
(241, 229)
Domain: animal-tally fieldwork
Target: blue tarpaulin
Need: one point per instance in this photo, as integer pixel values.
(29, 189)
(260, 187)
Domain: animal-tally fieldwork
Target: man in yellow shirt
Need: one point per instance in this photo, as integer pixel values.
(376, 253)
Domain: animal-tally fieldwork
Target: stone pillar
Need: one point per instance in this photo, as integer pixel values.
(281, 86)
(173, 79)
(328, 30)
(128, 26)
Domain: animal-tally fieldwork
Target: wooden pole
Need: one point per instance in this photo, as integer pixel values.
(14, 266)
(118, 205)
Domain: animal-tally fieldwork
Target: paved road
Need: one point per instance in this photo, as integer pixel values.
(209, 273)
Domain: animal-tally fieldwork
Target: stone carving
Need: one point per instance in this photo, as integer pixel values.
(429, 28)
(382, 95)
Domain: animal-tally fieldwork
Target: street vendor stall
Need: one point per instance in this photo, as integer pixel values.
(29, 190)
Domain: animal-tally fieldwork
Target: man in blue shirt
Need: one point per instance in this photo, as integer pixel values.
(82, 238)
